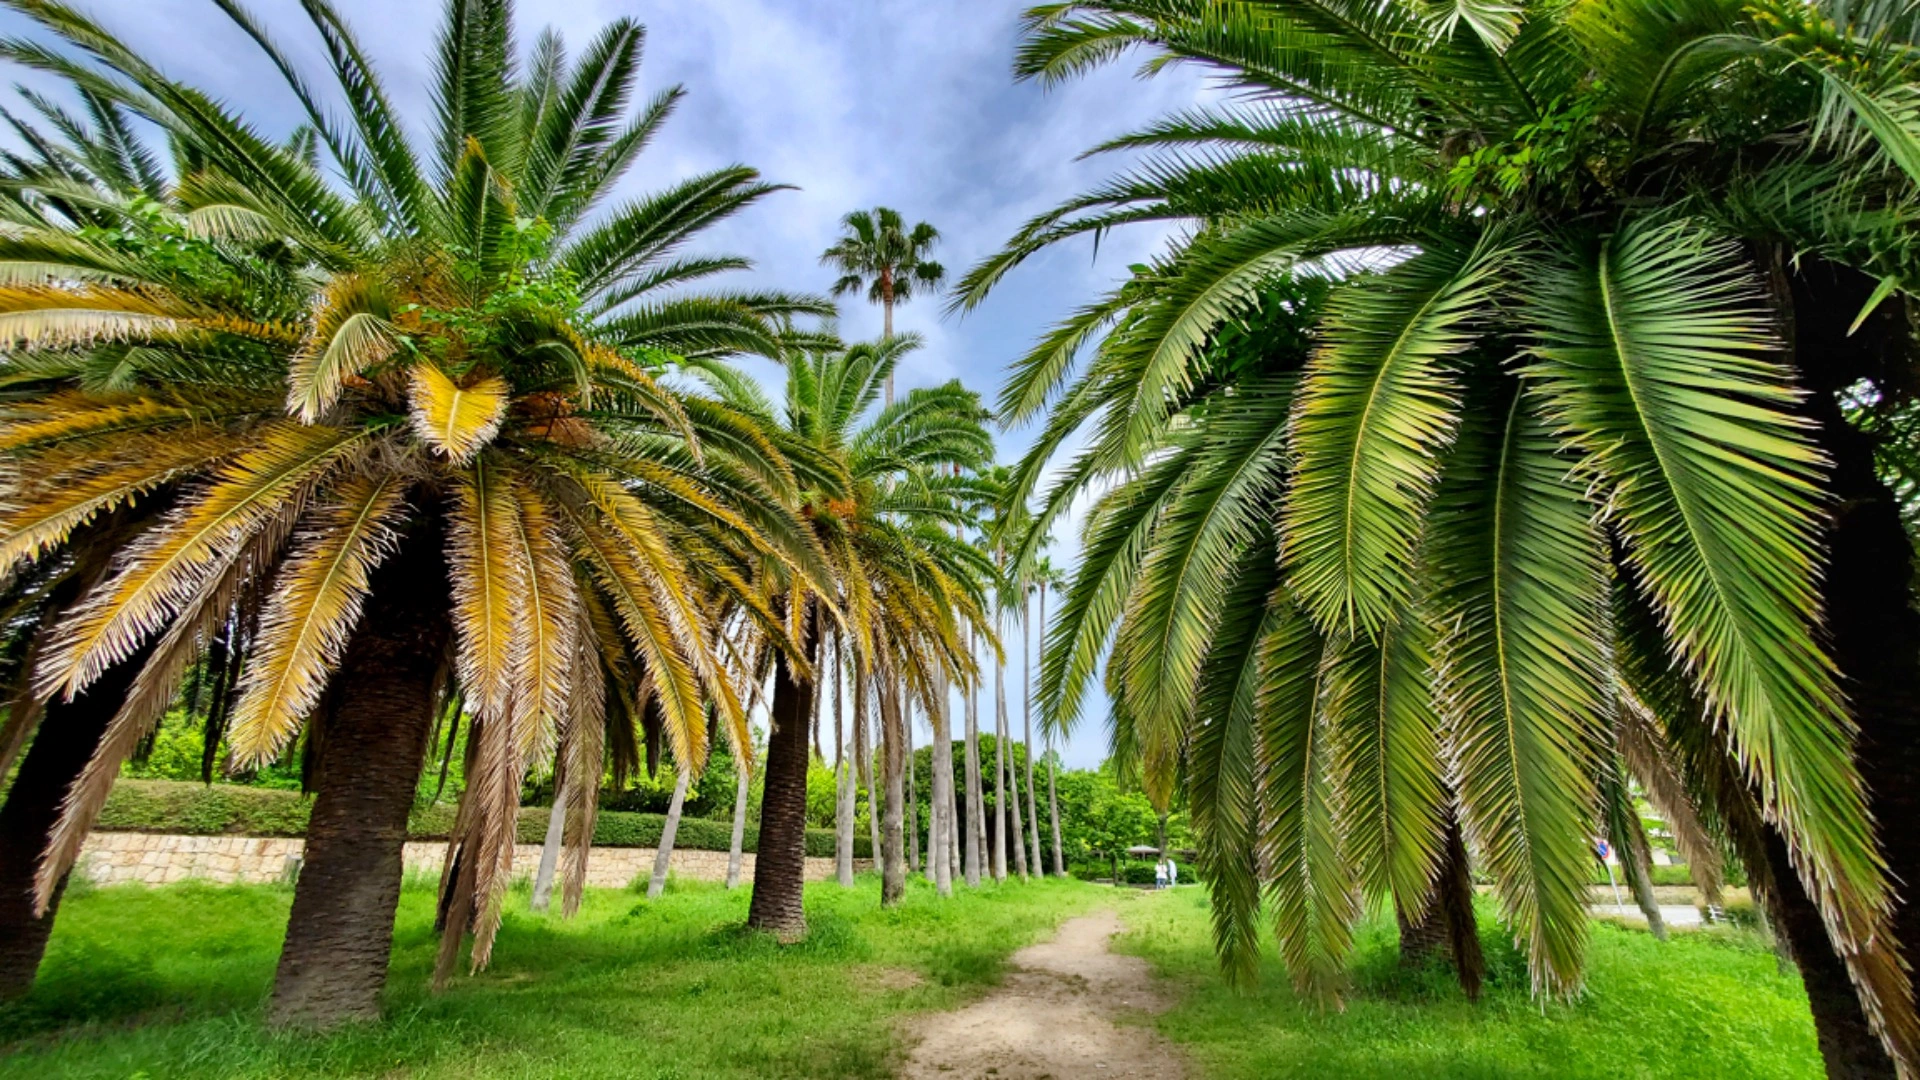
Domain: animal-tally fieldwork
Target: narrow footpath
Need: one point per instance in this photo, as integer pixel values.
(1053, 1017)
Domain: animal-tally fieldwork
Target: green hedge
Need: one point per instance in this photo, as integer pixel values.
(172, 806)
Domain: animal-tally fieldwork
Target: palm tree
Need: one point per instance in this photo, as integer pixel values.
(876, 492)
(1044, 575)
(1602, 216)
(878, 253)
(377, 424)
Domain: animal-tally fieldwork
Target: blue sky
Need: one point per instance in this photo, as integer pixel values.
(910, 105)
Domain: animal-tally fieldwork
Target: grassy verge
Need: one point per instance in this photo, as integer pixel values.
(169, 983)
(1703, 1004)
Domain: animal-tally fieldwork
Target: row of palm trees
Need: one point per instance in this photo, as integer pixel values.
(386, 429)
(1513, 424)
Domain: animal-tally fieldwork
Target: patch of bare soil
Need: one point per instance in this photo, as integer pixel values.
(1053, 1017)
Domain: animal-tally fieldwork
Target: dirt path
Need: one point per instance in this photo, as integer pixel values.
(1052, 1018)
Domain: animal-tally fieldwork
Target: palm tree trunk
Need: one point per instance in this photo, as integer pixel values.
(1872, 627)
(374, 741)
(68, 734)
(1026, 722)
(1003, 748)
(999, 827)
(780, 866)
(913, 789)
(893, 867)
(976, 789)
(886, 318)
(1848, 1045)
(663, 856)
(556, 835)
(1448, 926)
(941, 832)
(843, 785)
(1053, 812)
(863, 716)
(736, 848)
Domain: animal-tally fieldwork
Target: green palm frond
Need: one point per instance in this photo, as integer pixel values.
(1378, 402)
(1654, 359)
(1521, 595)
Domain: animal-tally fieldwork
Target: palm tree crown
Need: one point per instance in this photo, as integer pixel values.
(878, 253)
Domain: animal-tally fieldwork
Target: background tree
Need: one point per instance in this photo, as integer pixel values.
(878, 253)
(877, 492)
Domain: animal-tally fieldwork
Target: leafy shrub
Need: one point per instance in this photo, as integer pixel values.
(171, 806)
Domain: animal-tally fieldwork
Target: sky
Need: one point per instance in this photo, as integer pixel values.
(881, 102)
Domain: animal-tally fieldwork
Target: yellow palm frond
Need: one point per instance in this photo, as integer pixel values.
(165, 567)
(488, 578)
(456, 420)
(668, 577)
(68, 417)
(544, 622)
(637, 602)
(54, 317)
(154, 689)
(350, 335)
(315, 605)
(584, 744)
(39, 519)
(36, 317)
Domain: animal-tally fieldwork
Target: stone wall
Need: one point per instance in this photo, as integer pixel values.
(157, 859)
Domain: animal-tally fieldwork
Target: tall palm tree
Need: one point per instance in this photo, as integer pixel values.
(878, 253)
(416, 415)
(1604, 216)
(876, 491)
(1044, 575)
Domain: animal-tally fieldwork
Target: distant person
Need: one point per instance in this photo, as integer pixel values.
(1173, 873)
(1160, 874)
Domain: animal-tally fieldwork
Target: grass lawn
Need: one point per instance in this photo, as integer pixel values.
(1704, 1004)
(170, 983)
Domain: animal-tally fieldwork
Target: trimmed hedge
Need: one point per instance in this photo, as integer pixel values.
(173, 806)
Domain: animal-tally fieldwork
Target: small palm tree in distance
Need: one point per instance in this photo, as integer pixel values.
(878, 253)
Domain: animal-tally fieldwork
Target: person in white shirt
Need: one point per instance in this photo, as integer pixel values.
(1160, 874)
(1173, 873)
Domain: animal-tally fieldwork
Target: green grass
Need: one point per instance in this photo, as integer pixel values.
(170, 982)
(1704, 1004)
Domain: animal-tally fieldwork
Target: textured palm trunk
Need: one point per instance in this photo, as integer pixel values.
(1010, 795)
(736, 848)
(68, 734)
(863, 715)
(886, 317)
(1447, 927)
(551, 843)
(780, 865)
(340, 931)
(669, 832)
(1873, 630)
(893, 866)
(843, 807)
(913, 789)
(999, 825)
(975, 808)
(941, 831)
(1026, 723)
(1053, 812)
